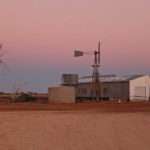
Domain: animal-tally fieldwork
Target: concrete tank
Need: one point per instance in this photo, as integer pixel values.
(61, 94)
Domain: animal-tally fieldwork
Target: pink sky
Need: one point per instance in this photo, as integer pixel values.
(41, 34)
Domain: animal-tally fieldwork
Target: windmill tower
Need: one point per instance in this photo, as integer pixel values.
(96, 84)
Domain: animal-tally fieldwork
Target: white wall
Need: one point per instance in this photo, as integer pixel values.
(61, 94)
(139, 88)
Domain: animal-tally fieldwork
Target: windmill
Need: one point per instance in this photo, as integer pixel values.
(96, 85)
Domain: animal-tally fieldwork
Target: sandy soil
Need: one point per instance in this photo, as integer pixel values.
(79, 130)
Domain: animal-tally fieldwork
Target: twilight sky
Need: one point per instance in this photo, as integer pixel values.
(39, 37)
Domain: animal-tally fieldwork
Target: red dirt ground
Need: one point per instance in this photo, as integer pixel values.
(82, 126)
(88, 106)
(75, 130)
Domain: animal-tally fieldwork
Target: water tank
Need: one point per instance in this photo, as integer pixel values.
(70, 79)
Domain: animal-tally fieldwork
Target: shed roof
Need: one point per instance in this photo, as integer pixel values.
(112, 78)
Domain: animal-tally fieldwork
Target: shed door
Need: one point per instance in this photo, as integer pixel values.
(140, 91)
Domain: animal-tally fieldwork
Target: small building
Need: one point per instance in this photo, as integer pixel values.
(61, 94)
(133, 87)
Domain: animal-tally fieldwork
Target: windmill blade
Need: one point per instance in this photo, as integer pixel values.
(99, 52)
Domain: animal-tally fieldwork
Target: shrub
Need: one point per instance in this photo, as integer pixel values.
(25, 97)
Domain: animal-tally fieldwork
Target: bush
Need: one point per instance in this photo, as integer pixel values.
(25, 97)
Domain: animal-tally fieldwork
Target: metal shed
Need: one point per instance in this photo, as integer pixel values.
(130, 87)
